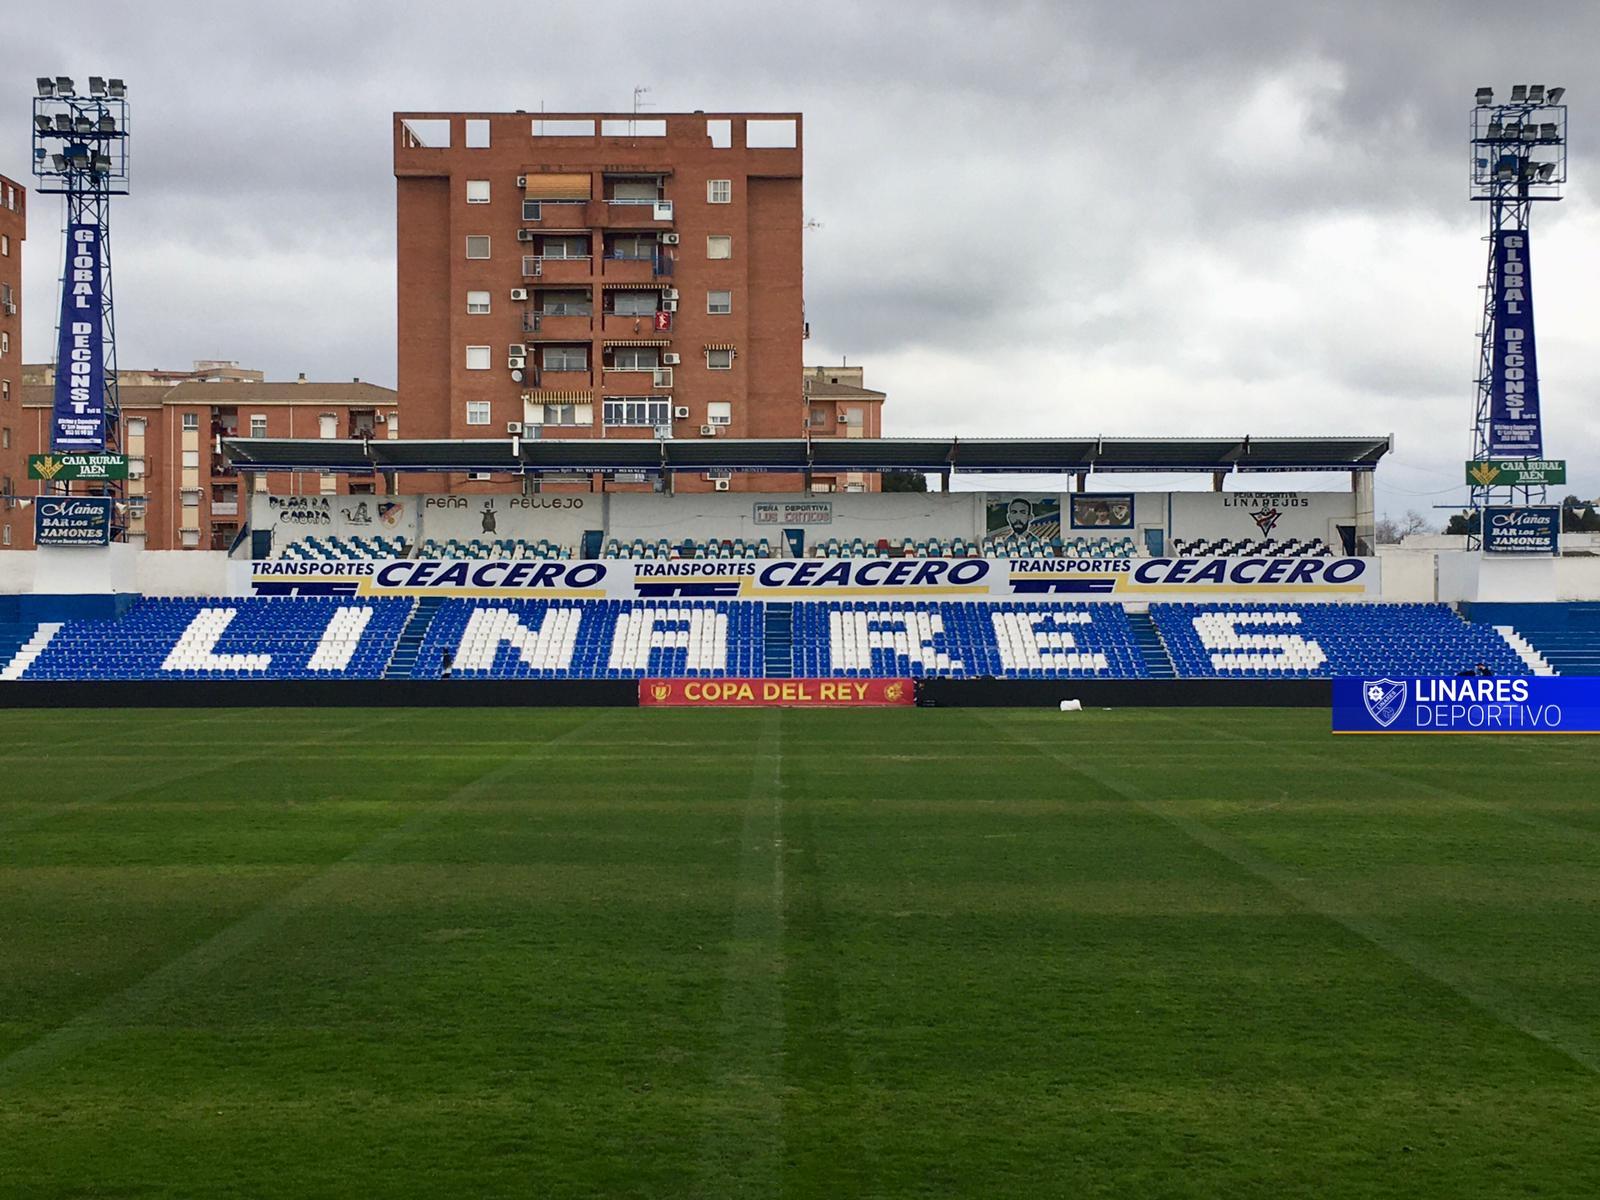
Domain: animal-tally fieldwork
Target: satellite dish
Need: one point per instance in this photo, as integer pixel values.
(516, 377)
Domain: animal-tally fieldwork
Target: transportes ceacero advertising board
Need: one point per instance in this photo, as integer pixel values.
(1468, 704)
(822, 578)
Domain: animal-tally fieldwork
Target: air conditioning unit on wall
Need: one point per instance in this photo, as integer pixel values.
(519, 293)
(708, 431)
(669, 359)
(681, 413)
(513, 426)
(722, 485)
(668, 239)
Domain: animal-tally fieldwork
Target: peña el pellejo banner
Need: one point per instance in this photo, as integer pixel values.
(78, 421)
(777, 693)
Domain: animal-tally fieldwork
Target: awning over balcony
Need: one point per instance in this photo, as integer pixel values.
(552, 186)
(638, 342)
(556, 397)
(718, 346)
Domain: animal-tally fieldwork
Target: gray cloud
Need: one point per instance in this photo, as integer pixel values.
(1142, 215)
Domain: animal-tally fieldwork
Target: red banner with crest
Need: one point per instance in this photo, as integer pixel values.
(777, 693)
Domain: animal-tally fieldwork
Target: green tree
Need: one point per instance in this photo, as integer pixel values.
(904, 481)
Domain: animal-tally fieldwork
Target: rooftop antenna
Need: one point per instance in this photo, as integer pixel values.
(638, 103)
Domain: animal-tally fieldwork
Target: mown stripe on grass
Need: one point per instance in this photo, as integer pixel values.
(1506, 1006)
(178, 974)
(742, 1152)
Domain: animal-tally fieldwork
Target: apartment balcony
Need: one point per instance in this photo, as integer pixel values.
(625, 381)
(557, 270)
(556, 379)
(629, 214)
(559, 328)
(224, 508)
(633, 270)
(623, 325)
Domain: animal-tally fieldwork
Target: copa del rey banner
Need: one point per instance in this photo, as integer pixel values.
(1514, 427)
(79, 419)
(777, 693)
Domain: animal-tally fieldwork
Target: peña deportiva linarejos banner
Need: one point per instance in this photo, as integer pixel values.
(1110, 579)
(78, 421)
(1514, 427)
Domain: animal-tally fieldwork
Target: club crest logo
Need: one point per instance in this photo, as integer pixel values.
(893, 691)
(1265, 519)
(1385, 699)
(660, 691)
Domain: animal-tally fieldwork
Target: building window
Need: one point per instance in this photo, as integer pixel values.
(5, 389)
(328, 425)
(478, 358)
(258, 425)
(477, 412)
(135, 467)
(634, 304)
(135, 426)
(563, 247)
(5, 342)
(719, 360)
(532, 210)
(191, 538)
(634, 247)
(5, 244)
(719, 303)
(478, 245)
(719, 191)
(567, 414)
(5, 438)
(477, 303)
(191, 460)
(191, 421)
(191, 498)
(477, 191)
(564, 304)
(819, 418)
(634, 358)
(719, 245)
(645, 411)
(566, 358)
(5, 536)
(719, 412)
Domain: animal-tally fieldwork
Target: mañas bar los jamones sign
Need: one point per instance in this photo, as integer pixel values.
(78, 419)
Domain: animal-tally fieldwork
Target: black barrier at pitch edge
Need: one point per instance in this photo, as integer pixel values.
(582, 693)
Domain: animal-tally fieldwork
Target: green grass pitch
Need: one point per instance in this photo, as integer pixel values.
(619, 953)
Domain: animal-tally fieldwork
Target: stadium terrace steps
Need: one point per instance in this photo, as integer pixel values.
(1537, 662)
(1566, 636)
(778, 622)
(409, 643)
(21, 644)
(1157, 662)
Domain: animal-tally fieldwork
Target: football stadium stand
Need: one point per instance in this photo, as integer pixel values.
(1322, 640)
(495, 548)
(339, 549)
(1247, 548)
(438, 638)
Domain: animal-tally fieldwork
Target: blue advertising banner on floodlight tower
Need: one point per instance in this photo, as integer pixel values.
(1514, 427)
(79, 419)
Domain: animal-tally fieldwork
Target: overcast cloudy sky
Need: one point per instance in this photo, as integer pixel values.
(1106, 216)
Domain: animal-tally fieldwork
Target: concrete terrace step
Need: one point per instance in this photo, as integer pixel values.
(1152, 650)
(778, 641)
(409, 644)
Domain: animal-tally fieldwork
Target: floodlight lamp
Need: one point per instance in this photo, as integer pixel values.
(1550, 132)
(1519, 94)
(106, 124)
(59, 161)
(1536, 93)
(46, 85)
(1530, 133)
(1546, 170)
(97, 86)
(101, 164)
(117, 88)
(82, 124)
(1495, 130)
(63, 122)
(1485, 97)
(44, 123)
(65, 86)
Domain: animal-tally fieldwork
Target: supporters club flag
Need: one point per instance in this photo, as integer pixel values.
(78, 419)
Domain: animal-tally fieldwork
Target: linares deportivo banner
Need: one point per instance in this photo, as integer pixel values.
(1469, 704)
(1514, 427)
(822, 578)
(79, 419)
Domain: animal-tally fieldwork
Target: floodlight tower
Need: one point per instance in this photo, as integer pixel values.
(80, 150)
(1519, 158)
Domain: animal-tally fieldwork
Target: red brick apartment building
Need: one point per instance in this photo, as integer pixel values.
(839, 404)
(13, 459)
(600, 275)
(182, 493)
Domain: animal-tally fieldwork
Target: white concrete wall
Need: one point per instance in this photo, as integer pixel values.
(561, 519)
(181, 573)
(894, 515)
(1228, 514)
(1408, 576)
